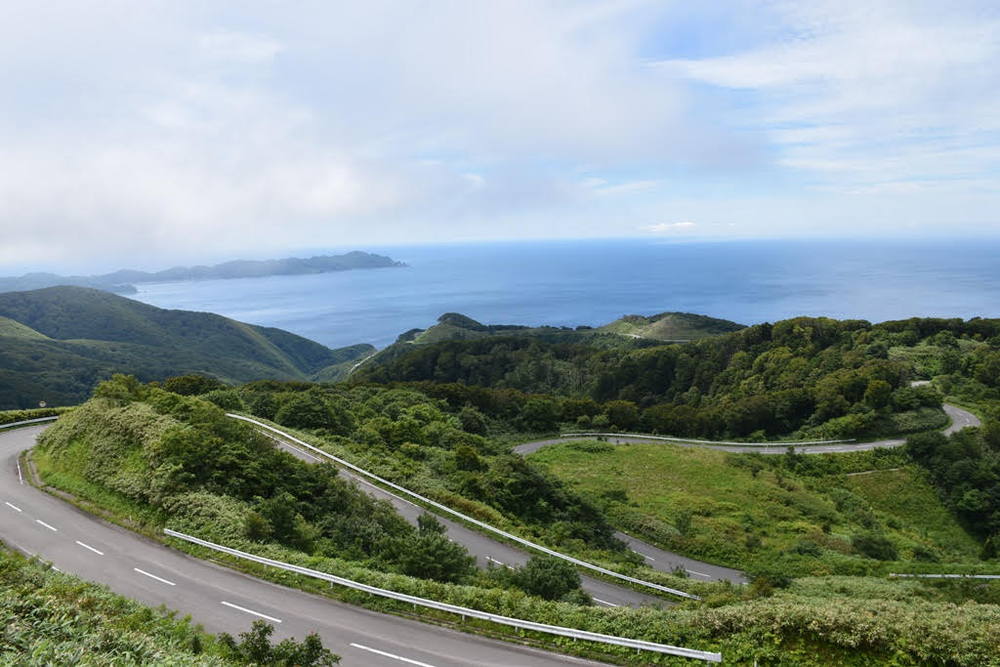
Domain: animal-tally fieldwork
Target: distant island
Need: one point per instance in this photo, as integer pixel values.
(124, 281)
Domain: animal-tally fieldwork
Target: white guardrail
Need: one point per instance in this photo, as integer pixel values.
(947, 576)
(29, 421)
(586, 635)
(707, 442)
(477, 522)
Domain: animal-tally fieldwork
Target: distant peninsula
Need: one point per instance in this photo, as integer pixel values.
(124, 281)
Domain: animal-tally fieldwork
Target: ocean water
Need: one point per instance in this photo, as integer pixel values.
(567, 283)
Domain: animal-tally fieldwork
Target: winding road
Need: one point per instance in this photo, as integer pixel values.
(488, 552)
(960, 419)
(667, 560)
(223, 600)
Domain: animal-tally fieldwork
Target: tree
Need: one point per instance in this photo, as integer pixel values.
(547, 577)
(874, 545)
(623, 414)
(473, 421)
(878, 393)
(432, 555)
(254, 648)
(310, 409)
(429, 524)
(540, 414)
(467, 459)
(192, 385)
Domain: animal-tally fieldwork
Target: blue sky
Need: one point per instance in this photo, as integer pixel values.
(164, 132)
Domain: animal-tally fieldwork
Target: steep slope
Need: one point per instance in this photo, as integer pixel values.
(55, 343)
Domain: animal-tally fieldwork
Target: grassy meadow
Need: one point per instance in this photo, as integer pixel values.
(748, 511)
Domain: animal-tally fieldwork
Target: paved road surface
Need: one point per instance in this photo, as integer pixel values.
(959, 419)
(220, 599)
(486, 550)
(668, 561)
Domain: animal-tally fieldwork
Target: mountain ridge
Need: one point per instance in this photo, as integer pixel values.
(123, 281)
(57, 342)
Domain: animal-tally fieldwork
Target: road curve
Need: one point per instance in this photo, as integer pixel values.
(668, 561)
(488, 552)
(959, 419)
(223, 600)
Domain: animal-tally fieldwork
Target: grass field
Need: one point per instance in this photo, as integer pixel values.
(737, 511)
(906, 496)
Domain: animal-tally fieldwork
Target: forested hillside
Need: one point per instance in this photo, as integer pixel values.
(809, 377)
(57, 343)
(628, 333)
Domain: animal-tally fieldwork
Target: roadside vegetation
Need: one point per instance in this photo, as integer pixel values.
(12, 416)
(52, 618)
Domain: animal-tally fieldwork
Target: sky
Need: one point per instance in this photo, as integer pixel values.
(155, 133)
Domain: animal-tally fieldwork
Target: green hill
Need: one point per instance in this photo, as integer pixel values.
(628, 333)
(56, 343)
(15, 329)
(671, 327)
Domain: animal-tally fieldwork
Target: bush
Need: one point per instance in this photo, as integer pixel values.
(547, 577)
(255, 648)
(874, 545)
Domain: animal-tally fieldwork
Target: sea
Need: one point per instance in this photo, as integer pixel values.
(592, 282)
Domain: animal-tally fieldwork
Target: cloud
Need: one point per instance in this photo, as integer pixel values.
(670, 227)
(629, 188)
(257, 129)
(325, 124)
(857, 93)
(238, 47)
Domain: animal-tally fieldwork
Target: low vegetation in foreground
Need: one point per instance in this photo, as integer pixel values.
(52, 618)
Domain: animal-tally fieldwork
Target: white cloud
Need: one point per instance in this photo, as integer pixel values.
(859, 93)
(242, 48)
(626, 188)
(670, 227)
(317, 124)
(257, 128)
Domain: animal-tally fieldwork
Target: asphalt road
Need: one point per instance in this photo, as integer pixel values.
(223, 600)
(959, 419)
(488, 552)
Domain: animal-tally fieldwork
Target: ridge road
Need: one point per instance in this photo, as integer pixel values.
(667, 560)
(223, 600)
(959, 419)
(486, 550)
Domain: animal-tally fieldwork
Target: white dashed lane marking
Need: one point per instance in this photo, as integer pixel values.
(153, 576)
(90, 548)
(408, 661)
(42, 523)
(251, 611)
